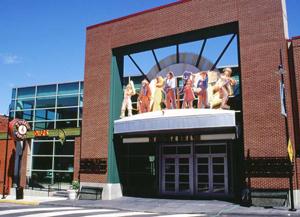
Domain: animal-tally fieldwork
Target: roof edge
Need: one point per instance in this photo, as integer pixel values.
(136, 14)
(296, 37)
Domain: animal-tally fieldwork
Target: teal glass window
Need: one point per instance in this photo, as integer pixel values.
(42, 148)
(12, 105)
(49, 111)
(42, 163)
(66, 124)
(25, 104)
(81, 101)
(64, 163)
(47, 90)
(26, 92)
(81, 87)
(65, 101)
(45, 102)
(11, 115)
(67, 113)
(45, 114)
(26, 115)
(40, 177)
(63, 177)
(69, 88)
(64, 149)
(44, 125)
(13, 94)
(80, 112)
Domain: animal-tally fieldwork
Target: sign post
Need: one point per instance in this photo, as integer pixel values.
(18, 131)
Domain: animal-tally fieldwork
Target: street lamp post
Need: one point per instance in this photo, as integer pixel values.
(281, 72)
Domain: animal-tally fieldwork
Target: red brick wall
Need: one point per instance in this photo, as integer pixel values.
(10, 158)
(295, 43)
(76, 158)
(296, 52)
(3, 123)
(261, 35)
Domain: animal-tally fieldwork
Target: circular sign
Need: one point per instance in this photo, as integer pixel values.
(22, 129)
(18, 129)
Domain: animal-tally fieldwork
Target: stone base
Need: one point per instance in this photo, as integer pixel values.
(296, 199)
(269, 197)
(110, 191)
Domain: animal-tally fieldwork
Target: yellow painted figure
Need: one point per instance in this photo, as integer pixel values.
(158, 94)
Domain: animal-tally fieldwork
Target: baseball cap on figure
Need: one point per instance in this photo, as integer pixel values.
(227, 69)
(145, 81)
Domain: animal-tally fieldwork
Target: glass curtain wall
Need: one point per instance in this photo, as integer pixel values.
(52, 106)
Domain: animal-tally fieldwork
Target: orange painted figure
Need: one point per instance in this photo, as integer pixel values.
(144, 97)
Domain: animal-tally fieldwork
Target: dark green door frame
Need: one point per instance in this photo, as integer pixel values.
(116, 96)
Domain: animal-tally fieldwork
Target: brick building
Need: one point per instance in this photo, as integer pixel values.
(261, 31)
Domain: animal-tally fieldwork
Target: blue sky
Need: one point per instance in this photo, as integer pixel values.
(44, 41)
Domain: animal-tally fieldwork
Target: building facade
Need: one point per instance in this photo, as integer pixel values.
(261, 31)
(48, 107)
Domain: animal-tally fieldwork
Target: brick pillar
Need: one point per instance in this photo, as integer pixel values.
(76, 158)
(23, 174)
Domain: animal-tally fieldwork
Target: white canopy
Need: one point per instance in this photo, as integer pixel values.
(175, 119)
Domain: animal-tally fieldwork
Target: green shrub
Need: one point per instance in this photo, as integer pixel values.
(75, 185)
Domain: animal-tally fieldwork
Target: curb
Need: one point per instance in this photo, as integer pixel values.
(20, 202)
(208, 213)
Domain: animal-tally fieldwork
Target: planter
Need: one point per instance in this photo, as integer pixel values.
(72, 194)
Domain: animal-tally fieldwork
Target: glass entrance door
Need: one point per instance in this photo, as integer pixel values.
(177, 170)
(211, 174)
(188, 172)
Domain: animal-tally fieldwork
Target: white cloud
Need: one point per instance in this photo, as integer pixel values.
(9, 59)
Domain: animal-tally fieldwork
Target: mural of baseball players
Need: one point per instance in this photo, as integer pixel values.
(211, 88)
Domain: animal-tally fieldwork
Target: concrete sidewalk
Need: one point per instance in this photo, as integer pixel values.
(171, 206)
(30, 200)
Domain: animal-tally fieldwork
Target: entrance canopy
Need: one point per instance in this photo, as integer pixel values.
(175, 119)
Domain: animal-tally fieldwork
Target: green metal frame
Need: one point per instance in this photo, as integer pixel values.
(51, 133)
(116, 94)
